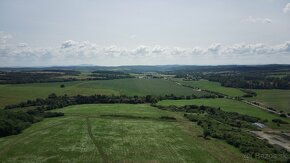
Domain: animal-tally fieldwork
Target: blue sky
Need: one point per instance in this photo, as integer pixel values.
(130, 32)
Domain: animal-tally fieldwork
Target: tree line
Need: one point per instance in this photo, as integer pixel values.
(109, 75)
(36, 76)
(53, 101)
(245, 80)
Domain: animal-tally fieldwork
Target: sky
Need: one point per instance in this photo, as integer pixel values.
(144, 32)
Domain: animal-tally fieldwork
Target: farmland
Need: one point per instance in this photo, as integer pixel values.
(147, 116)
(83, 134)
(14, 93)
(213, 86)
(277, 99)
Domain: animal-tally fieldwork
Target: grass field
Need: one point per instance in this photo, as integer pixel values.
(10, 94)
(83, 135)
(278, 99)
(226, 105)
(213, 86)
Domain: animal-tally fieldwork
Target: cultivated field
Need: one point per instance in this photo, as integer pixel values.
(15, 93)
(213, 86)
(275, 98)
(93, 133)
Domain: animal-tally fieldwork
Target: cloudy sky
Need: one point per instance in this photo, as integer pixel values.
(138, 32)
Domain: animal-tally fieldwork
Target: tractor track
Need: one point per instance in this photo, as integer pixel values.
(99, 148)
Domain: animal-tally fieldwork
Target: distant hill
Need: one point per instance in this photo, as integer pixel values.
(159, 68)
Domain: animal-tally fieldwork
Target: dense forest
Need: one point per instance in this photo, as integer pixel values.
(20, 77)
(245, 80)
(250, 80)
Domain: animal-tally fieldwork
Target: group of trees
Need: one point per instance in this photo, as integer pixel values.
(36, 76)
(12, 122)
(231, 127)
(238, 137)
(250, 80)
(109, 75)
(53, 101)
(41, 76)
(249, 93)
(241, 79)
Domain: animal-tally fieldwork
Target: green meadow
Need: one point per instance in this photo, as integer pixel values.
(212, 86)
(91, 133)
(275, 98)
(15, 93)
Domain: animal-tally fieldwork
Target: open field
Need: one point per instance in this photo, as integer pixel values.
(277, 99)
(212, 86)
(226, 105)
(83, 135)
(15, 93)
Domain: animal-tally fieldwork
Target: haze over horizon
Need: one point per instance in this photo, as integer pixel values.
(113, 33)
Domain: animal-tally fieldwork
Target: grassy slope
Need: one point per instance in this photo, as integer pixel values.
(52, 140)
(226, 105)
(213, 86)
(278, 99)
(118, 139)
(10, 94)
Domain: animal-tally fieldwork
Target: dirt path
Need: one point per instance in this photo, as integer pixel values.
(262, 107)
(273, 138)
(99, 148)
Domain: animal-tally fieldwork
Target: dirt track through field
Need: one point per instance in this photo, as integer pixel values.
(99, 148)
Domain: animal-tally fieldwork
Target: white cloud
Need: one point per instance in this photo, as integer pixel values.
(252, 19)
(72, 53)
(214, 48)
(286, 9)
(68, 43)
(142, 50)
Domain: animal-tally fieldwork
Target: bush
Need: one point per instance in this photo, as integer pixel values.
(279, 121)
(52, 114)
(12, 123)
(168, 118)
(283, 115)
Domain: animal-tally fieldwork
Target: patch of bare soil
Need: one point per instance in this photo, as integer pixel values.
(281, 139)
